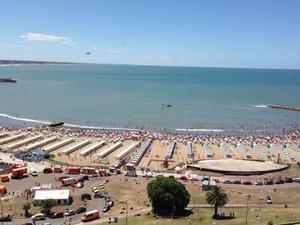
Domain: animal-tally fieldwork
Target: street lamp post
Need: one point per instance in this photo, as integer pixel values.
(248, 197)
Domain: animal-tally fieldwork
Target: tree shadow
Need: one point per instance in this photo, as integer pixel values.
(177, 215)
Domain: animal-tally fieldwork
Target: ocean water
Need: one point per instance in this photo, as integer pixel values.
(207, 99)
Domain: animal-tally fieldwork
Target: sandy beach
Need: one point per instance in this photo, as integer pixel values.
(155, 156)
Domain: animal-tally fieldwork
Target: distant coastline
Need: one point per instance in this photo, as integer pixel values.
(285, 107)
(26, 62)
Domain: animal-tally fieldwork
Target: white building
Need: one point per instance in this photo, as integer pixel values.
(59, 196)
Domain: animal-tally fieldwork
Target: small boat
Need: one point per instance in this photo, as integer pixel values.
(56, 124)
(166, 105)
(7, 80)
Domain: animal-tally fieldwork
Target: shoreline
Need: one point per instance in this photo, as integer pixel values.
(204, 146)
(22, 122)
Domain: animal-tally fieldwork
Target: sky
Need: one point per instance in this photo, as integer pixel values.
(209, 33)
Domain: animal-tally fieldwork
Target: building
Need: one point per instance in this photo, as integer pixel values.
(59, 196)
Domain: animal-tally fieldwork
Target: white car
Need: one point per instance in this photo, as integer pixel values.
(69, 213)
(39, 216)
(79, 185)
(33, 172)
(47, 224)
(296, 180)
(269, 199)
(95, 190)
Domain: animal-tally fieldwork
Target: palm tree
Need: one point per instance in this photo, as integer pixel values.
(26, 208)
(216, 197)
(47, 206)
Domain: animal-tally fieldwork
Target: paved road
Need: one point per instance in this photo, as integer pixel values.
(20, 185)
(8, 157)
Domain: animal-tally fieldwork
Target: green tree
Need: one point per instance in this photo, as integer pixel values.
(168, 196)
(26, 207)
(47, 207)
(217, 198)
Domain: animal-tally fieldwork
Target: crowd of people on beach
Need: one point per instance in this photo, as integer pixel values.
(114, 135)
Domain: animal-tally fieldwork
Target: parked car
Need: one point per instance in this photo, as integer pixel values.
(113, 219)
(62, 178)
(98, 195)
(79, 184)
(183, 178)
(57, 215)
(69, 213)
(296, 180)
(216, 180)
(130, 174)
(280, 181)
(236, 182)
(227, 182)
(147, 175)
(47, 224)
(86, 197)
(110, 203)
(205, 178)
(95, 190)
(247, 182)
(81, 210)
(5, 218)
(39, 216)
(259, 183)
(106, 208)
(269, 199)
(33, 172)
(288, 180)
(107, 198)
(269, 182)
(27, 223)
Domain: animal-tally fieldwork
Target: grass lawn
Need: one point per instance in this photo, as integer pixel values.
(203, 216)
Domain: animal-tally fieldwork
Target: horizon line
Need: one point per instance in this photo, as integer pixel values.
(154, 65)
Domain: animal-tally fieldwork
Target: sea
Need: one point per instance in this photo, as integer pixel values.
(205, 100)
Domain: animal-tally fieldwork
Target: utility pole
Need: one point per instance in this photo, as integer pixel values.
(248, 197)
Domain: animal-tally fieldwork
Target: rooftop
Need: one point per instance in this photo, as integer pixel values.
(52, 194)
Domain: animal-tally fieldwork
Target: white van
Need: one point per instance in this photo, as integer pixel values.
(33, 172)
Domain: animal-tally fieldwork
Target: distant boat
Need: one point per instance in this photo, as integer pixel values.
(7, 80)
(56, 124)
(166, 105)
(87, 53)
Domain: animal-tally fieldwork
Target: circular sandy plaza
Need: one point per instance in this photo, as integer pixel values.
(238, 167)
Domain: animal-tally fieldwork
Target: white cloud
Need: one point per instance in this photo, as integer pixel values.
(46, 37)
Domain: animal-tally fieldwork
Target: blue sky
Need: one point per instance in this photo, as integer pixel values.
(229, 33)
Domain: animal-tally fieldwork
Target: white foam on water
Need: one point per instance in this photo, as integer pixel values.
(66, 124)
(199, 130)
(261, 106)
(23, 119)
